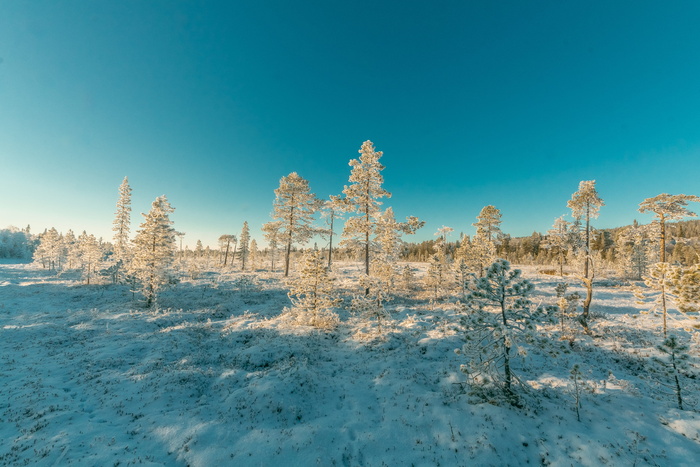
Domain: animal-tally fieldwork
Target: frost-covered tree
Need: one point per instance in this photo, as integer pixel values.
(685, 288)
(669, 282)
(244, 245)
(363, 200)
(370, 306)
(634, 250)
(476, 253)
(566, 310)
(271, 232)
(585, 205)
(441, 242)
(408, 278)
(253, 256)
(90, 254)
(72, 250)
(294, 207)
(51, 251)
(199, 249)
(675, 362)
(16, 243)
(225, 242)
(121, 226)
(388, 237)
(667, 208)
(559, 239)
(312, 293)
(498, 316)
(333, 210)
(488, 223)
(438, 277)
(154, 250)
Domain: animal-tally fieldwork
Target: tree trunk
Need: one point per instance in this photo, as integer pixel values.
(226, 253)
(330, 243)
(286, 257)
(663, 300)
(583, 318)
(662, 253)
(588, 241)
(506, 352)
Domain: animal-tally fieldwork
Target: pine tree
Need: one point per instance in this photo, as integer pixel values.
(244, 245)
(488, 223)
(476, 253)
(362, 198)
(51, 251)
(498, 315)
(271, 232)
(667, 208)
(333, 210)
(90, 254)
(225, 242)
(370, 306)
(72, 250)
(312, 293)
(585, 205)
(387, 241)
(154, 250)
(294, 207)
(559, 238)
(122, 228)
(675, 362)
(253, 255)
(634, 252)
(198, 249)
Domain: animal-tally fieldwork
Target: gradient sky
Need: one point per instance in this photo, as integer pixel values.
(509, 103)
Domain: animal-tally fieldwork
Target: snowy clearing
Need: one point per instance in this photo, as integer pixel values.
(216, 374)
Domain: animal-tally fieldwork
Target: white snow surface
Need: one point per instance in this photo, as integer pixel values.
(216, 375)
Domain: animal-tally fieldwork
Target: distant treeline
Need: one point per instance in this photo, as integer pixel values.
(683, 246)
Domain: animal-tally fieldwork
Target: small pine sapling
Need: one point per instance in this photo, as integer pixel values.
(497, 317)
(438, 277)
(371, 305)
(675, 363)
(676, 284)
(408, 278)
(312, 293)
(567, 305)
(578, 387)
(463, 275)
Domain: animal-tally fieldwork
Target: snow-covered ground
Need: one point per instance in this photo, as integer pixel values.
(216, 375)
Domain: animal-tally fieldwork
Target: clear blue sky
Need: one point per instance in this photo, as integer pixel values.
(509, 103)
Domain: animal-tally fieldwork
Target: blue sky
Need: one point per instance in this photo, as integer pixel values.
(507, 103)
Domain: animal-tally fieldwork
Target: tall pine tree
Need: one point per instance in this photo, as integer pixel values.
(294, 207)
(362, 198)
(585, 205)
(121, 228)
(154, 250)
(244, 245)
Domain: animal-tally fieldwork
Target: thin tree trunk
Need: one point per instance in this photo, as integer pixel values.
(226, 253)
(663, 300)
(330, 243)
(678, 384)
(286, 258)
(506, 353)
(662, 255)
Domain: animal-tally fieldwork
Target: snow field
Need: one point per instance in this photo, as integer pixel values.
(216, 375)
